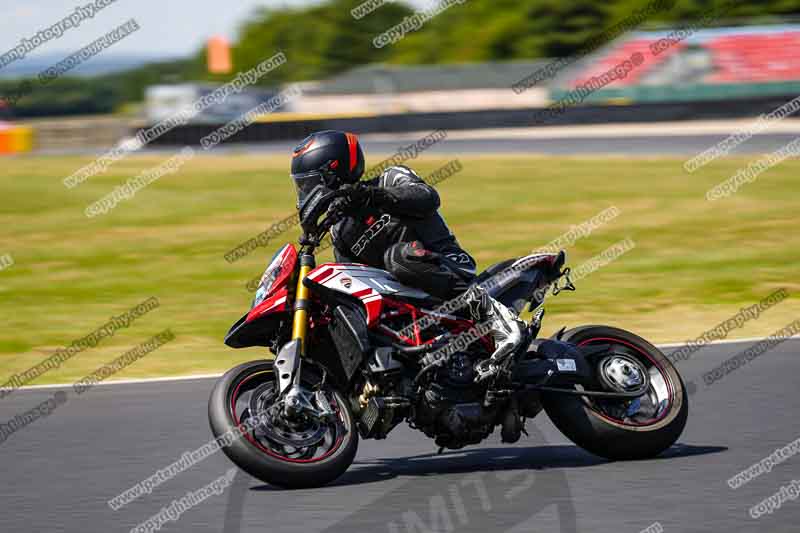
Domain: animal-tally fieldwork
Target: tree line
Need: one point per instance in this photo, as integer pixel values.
(325, 39)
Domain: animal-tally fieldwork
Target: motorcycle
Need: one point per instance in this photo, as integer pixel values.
(356, 353)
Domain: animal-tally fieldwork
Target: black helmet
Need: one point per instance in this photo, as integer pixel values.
(331, 158)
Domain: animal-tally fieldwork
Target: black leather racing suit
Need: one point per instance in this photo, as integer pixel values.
(406, 235)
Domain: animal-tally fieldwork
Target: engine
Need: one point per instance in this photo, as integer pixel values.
(450, 407)
(444, 402)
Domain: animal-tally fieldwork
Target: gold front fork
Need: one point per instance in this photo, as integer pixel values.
(301, 303)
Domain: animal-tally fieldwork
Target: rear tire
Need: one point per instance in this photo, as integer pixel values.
(246, 452)
(580, 419)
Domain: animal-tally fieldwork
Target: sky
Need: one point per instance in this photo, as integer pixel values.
(170, 28)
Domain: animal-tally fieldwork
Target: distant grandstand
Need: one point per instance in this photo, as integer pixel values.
(733, 61)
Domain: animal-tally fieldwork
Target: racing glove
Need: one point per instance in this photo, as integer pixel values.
(362, 195)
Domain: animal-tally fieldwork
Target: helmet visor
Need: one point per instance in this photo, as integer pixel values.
(305, 183)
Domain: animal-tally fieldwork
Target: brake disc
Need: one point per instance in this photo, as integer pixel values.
(275, 428)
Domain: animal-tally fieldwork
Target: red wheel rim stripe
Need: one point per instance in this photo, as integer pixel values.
(267, 450)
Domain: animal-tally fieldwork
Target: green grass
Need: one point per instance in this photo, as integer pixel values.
(695, 262)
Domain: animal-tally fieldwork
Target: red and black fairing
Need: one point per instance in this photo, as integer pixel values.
(271, 306)
(354, 282)
(376, 296)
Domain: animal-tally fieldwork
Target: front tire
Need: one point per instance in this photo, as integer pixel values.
(608, 428)
(266, 460)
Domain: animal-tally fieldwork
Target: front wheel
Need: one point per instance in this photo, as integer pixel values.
(299, 451)
(623, 429)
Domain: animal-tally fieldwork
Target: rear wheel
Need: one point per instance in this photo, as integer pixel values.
(296, 451)
(623, 429)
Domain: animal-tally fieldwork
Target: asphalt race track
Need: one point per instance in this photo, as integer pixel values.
(617, 145)
(59, 472)
(669, 139)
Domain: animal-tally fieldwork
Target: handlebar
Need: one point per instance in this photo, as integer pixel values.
(329, 221)
(331, 218)
(320, 207)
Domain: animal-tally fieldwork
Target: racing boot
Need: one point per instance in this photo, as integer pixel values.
(507, 329)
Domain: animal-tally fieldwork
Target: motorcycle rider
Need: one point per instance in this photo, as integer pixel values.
(393, 223)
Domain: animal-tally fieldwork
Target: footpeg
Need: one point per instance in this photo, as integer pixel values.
(485, 369)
